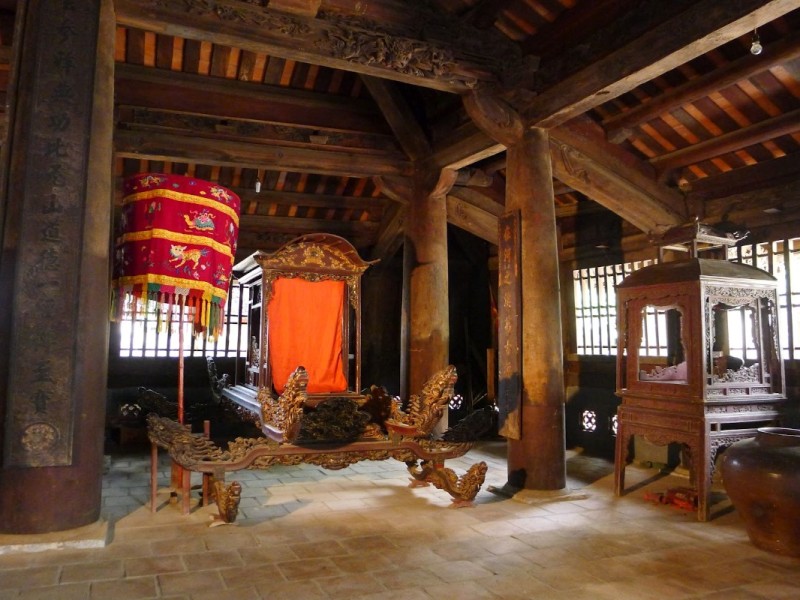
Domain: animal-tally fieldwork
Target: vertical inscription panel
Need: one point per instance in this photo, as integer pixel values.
(509, 296)
(39, 425)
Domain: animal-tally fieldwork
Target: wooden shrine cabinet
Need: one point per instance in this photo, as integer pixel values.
(698, 361)
(312, 260)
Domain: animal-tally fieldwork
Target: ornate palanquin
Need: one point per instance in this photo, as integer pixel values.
(709, 390)
(304, 302)
(336, 424)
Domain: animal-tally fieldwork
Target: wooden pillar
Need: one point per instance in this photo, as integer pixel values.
(426, 311)
(54, 266)
(537, 461)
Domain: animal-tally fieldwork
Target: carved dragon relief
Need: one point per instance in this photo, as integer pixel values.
(285, 413)
(463, 489)
(197, 453)
(425, 409)
(368, 43)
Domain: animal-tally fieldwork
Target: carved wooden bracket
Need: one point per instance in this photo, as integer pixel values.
(432, 181)
(494, 117)
(399, 189)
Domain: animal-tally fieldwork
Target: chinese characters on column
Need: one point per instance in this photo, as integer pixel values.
(56, 116)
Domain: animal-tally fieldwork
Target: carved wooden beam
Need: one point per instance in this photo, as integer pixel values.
(704, 25)
(757, 133)
(618, 128)
(434, 51)
(401, 119)
(584, 161)
(158, 146)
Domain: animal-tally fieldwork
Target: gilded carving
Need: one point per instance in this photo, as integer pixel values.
(285, 413)
(426, 408)
(227, 498)
(463, 489)
(197, 453)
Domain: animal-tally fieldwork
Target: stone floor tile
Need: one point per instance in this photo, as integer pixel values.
(308, 550)
(359, 563)
(407, 594)
(461, 589)
(243, 593)
(12, 579)
(402, 578)
(352, 585)
(219, 559)
(92, 571)
(564, 577)
(190, 582)
(515, 587)
(288, 542)
(153, 565)
(309, 568)
(774, 590)
(65, 591)
(136, 588)
(458, 571)
(290, 590)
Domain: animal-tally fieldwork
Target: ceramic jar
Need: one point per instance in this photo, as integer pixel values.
(762, 478)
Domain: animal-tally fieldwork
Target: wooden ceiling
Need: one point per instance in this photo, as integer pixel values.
(657, 111)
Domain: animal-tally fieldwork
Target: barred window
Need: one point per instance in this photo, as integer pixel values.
(145, 334)
(596, 311)
(782, 260)
(596, 306)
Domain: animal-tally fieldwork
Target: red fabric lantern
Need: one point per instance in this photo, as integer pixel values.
(177, 244)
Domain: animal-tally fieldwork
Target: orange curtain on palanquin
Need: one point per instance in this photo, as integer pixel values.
(305, 329)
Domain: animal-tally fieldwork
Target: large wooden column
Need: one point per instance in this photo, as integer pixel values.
(426, 309)
(54, 266)
(530, 357)
(537, 461)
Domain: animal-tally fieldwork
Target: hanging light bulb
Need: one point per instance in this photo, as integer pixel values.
(755, 46)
